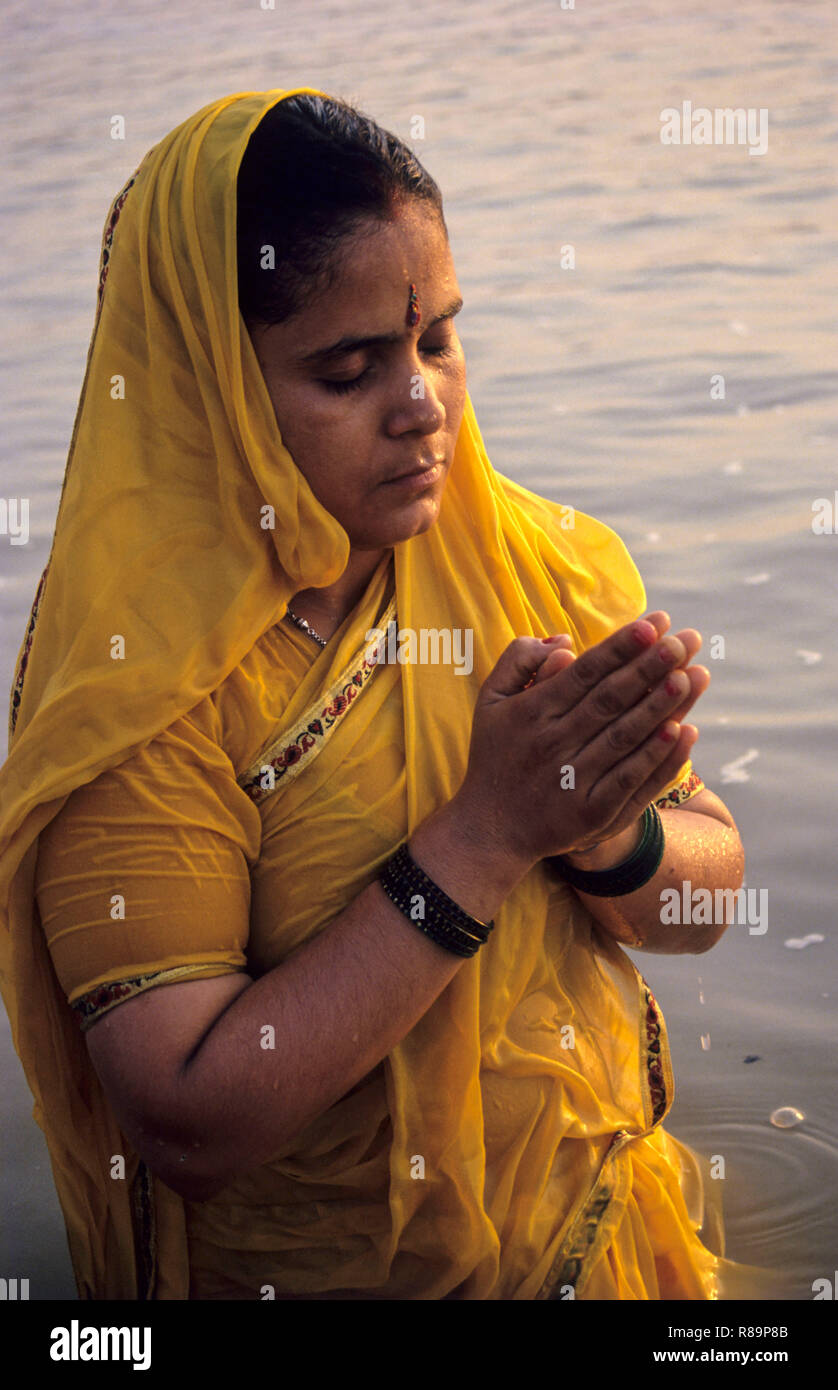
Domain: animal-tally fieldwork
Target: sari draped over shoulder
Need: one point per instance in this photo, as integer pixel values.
(510, 1146)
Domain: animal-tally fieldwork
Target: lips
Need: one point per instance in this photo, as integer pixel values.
(420, 471)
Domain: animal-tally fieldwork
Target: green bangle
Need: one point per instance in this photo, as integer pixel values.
(641, 865)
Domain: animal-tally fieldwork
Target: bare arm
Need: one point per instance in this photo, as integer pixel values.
(209, 1101)
(702, 845)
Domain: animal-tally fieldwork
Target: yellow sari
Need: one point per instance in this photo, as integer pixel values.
(156, 659)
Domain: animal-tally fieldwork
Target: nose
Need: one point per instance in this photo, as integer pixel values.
(415, 406)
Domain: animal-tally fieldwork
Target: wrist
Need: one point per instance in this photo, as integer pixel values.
(458, 851)
(608, 853)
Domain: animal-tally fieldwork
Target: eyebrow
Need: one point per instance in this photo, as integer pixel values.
(349, 344)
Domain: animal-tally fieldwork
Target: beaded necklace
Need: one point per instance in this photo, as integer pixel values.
(307, 628)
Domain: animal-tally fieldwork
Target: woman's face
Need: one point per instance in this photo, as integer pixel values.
(356, 415)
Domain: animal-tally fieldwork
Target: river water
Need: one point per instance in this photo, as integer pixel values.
(597, 384)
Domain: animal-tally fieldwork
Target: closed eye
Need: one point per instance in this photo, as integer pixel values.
(341, 387)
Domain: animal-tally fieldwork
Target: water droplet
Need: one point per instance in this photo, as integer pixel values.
(705, 1042)
(787, 1117)
(797, 943)
(701, 996)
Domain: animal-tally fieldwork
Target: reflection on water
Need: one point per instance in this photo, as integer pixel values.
(597, 385)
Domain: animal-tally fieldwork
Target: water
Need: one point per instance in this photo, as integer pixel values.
(591, 385)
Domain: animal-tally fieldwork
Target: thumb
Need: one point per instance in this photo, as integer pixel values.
(517, 665)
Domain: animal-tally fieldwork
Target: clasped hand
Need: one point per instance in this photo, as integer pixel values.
(567, 751)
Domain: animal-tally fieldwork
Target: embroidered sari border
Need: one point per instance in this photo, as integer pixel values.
(91, 1006)
(17, 689)
(656, 1068)
(286, 755)
(690, 787)
(590, 1231)
(144, 1230)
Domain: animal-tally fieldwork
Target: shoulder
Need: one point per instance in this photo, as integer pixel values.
(250, 702)
(601, 588)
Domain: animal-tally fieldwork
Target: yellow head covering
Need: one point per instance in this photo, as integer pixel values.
(159, 542)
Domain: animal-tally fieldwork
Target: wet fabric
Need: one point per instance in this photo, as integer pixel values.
(157, 670)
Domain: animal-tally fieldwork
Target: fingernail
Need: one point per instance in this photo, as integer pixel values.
(668, 733)
(644, 633)
(557, 638)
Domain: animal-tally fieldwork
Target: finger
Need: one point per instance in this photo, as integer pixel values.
(682, 747)
(691, 641)
(618, 693)
(556, 660)
(514, 668)
(569, 687)
(608, 744)
(699, 678)
(660, 621)
(638, 779)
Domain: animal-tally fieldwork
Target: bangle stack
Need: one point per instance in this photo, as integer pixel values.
(641, 865)
(429, 908)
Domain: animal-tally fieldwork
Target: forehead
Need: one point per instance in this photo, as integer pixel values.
(372, 271)
(412, 242)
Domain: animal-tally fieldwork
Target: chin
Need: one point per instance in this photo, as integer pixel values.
(417, 519)
(411, 520)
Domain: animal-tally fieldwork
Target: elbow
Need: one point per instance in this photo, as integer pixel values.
(193, 1189)
(199, 1171)
(708, 940)
(189, 1184)
(186, 1166)
(731, 906)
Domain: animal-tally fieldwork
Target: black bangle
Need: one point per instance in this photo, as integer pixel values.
(441, 919)
(641, 865)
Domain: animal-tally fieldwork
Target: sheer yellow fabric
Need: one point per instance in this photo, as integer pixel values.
(544, 1165)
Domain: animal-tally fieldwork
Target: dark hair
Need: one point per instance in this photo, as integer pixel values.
(314, 170)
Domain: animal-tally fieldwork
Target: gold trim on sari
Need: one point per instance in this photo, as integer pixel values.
(593, 1227)
(285, 757)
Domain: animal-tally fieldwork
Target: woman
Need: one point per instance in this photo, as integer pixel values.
(293, 1078)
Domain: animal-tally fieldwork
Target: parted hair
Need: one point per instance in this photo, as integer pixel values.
(314, 171)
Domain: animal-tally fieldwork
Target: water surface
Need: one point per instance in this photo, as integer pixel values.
(591, 386)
